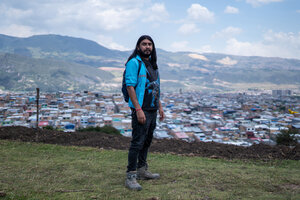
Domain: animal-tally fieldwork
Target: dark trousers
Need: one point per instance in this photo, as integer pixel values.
(142, 135)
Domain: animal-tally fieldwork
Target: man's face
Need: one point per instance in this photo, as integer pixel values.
(146, 47)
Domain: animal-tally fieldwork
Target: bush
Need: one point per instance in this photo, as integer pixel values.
(48, 127)
(96, 129)
(104, 129)
(287, 137)
(110, 130)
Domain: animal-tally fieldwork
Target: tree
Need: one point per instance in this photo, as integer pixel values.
(287, 137)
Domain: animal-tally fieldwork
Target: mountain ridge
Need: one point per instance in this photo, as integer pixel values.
(178, 70)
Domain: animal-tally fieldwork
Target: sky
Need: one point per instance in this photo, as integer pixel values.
(269, 28)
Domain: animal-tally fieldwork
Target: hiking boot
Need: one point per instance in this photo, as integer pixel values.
(131, 182)
(144, 174)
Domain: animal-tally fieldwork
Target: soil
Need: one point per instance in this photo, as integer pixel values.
(108, 141)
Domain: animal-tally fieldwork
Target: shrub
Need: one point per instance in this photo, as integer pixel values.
(287, 137)
(48, 127)
(110, 130)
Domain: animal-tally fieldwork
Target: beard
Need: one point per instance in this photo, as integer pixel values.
(144, 55)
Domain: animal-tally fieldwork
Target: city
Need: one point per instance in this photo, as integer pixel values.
(233, 118)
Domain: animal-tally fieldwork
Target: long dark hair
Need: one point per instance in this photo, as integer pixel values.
(153, 58)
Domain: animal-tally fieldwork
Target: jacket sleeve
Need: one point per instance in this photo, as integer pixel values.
(131, 76)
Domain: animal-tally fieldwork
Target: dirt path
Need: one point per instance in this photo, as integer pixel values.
(106, 141)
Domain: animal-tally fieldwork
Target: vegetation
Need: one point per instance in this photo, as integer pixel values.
(48, 127)
(104, 129)
(287, 137)
(42, 171)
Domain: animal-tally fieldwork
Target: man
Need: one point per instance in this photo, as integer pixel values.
(143, 86)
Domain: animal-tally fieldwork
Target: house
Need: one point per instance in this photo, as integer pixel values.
(199, 137)
(209, 123)
(126, 124)
(247, 128)
(84, 121)
(116, 122)
(160, 134)
(108, 121)
(69, 127)
(180, 135)
(296, 126)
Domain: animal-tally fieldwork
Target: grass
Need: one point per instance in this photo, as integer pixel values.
(43, 171)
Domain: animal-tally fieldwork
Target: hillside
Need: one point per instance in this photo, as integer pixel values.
(178, 70)
(31, 170)
(105, 141)
(44, 171)
(59, 47)
(25, 74)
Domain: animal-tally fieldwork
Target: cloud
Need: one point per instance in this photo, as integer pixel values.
(298, 11)
(205, 48)
(81, 15)
(228, 32)
(274, 44)
(108, 42)
(185, 46)
(12, 15)
(245, 48)
(260, 2)
(17, 30)
(98, 15)
(156, 13)
(200, 13)
(78, 18)
(195, 14)
(179, 46)
(231, 10)
(188, 28)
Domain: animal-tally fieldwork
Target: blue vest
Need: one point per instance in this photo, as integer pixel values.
(137, 81)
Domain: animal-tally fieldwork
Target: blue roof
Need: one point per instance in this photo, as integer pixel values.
(297, 126)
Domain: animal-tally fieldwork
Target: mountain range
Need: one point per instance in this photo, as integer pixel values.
(55, 62)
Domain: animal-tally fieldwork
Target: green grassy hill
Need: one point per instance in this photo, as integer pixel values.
(24, 73)
(43, 171)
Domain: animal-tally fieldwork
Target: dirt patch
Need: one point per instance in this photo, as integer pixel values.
(106, 141)
(292, 187)
(2, 194)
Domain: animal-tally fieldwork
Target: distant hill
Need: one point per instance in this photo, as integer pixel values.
(23, 73)
(62, 47)
(220, 72)
(178, 70)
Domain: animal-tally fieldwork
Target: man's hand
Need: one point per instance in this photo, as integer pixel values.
(161, 114)
(139, 112)
(141, 116)
(161, 111)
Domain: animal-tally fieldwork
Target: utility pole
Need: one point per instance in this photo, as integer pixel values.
(37, 106)
(269, 129)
